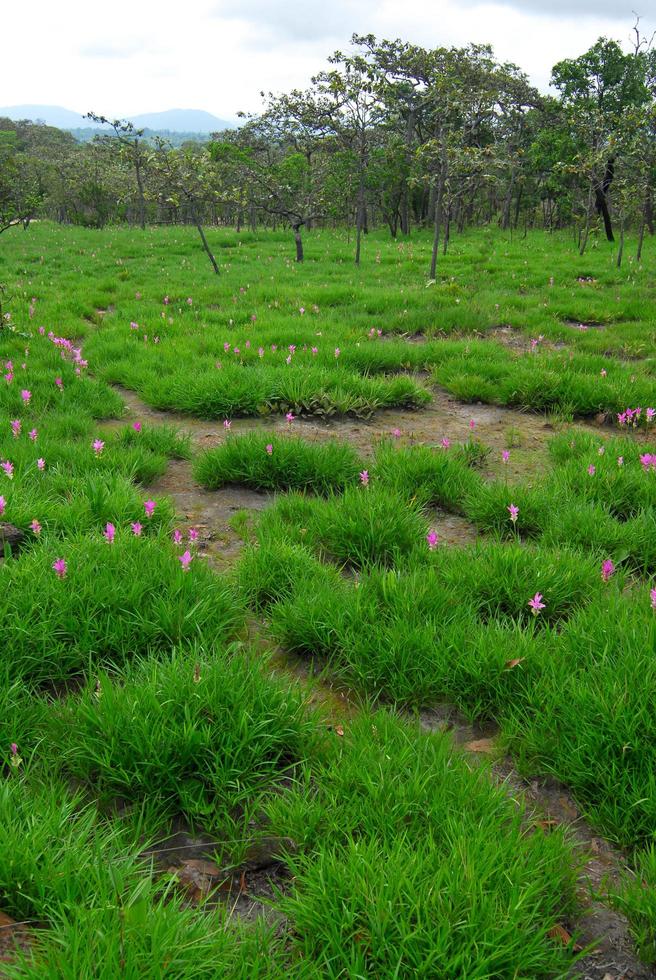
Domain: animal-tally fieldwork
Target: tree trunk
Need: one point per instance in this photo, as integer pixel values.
(299, 242)
(505, 220)
(586, 230)
(601, 198)
(203, 239)
(359, 219)
(437, 223)
(649, 211)
(641, 238)
(620, 250)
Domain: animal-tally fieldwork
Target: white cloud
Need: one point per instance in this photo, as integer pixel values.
(219, 54)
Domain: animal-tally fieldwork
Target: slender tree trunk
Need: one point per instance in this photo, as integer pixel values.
(586, 230)
(620, 250)
(505, 220)
(299, 242)
(140, 187)
(649, 211)
(641, 238)
(437, 223)
(359, 219)
(203, 239)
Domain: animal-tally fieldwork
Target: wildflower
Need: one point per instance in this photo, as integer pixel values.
(431, 538)
(137, 528)
(185, 560)
(607, 569)
(137, 295)
(648, 461)
(536, 603)
(603, 372)
(41, 463)
(505, 456)
(253, 317)
(36, 527)
(302, 310)
(26, 396)
(445, 443)
(33, 433)
(289, 418)
(137, 426)
(59, 566)
(364, 478)
(269, 449)
(15, 760)
(226, 348)
(514, 513)
(59, 383)
(315, 351)
(98, 445)
(396, 433)
(592, 470)
(149, 507)
(190, 301)
(193, 534)
(226, 424)
(8, 469)
(260, 351)
(620, 460)
(652, 596)
(288, 359)
(337, 352)
(601, 451)
(292, 348)
(3, 504)
(15, 428)
(177, 536)
(166, 301)
(109, 533)
(134, 325)
(472, 425)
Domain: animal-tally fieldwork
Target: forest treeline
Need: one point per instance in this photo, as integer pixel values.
(389, 134)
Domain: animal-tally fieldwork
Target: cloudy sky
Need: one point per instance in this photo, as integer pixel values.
(147, 55)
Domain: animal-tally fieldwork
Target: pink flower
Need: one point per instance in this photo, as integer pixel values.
(33, 433)
(3, 504)
(505, 456)
(137, 426)
(177, 536)
(149, 507)
(60, 567)
(185, 560)
(592, 470)
(136, 529)
(193, 534)
(288, 359)
(269, 449)
(651, 412)
(514, 513)
(226, 347)
(166, 301)
(26, 396)
(13, 748)
(396, 433)
(36, 527)
(315, 351)
(260, 351)
(652, 596)
(445, 443)
(431, 538)
(41, 463)
(536, 603)
(289, 418)
(226, 424)
(134, 325)
(8, 469)
(364, 478)
(98, 445)
(337, 352)
(110, 533)
(601, 451)
(648, 461)
(472, 424)
(190, 301)
(620, 460)
(607, 569)
(59, 383)
(15, 428)
(301, 310)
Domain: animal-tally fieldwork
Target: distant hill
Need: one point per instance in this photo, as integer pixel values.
(171, 120)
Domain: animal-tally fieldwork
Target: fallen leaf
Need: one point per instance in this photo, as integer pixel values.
(513, 663)
(485, 745)
(560, 933)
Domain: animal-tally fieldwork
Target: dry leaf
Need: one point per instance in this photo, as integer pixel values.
(485, 745)
(560, 933)
(513, 663)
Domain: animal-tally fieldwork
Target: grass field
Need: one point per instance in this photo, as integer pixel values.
(260, 529)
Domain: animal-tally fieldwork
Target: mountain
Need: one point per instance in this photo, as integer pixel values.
(172, 120)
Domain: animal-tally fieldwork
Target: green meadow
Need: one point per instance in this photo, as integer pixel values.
(456, 505)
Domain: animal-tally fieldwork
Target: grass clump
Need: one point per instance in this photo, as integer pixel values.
(265, 461)
(117, 601)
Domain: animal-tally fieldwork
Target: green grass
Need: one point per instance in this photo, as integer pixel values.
(132, 692)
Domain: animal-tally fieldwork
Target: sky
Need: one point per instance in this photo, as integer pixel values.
(138, 56)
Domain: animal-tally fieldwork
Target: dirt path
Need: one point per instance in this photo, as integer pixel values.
(548, 804)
